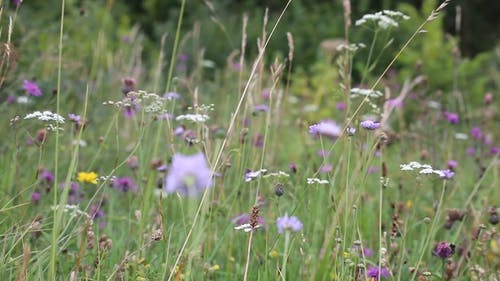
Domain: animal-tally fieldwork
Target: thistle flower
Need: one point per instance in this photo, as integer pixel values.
(375, 272)
(476, 133)
(188, 175)
(31, 88)
(443, 250)
(286, 223)
(452, 117)
(125, 184)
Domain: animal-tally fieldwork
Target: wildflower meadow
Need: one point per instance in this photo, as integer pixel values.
(149, 140)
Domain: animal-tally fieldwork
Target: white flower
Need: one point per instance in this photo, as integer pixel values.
(316, 180)
(251, 175)
(426, 171)
(46, 116)
(356, 92)
(384, 19)
(22, 100)
(197, 118)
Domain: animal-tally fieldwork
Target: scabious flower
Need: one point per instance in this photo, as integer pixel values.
(375, 272)
(288, 223)
(446, 174)
(172, 96)
(452, 117)
(188, 175)
(261, 107)
(31, 88)
(125, 184)
(370, 125)
(443, 250)
(89, 177)
(326, 128)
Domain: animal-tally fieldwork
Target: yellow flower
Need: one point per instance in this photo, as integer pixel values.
(215, 267)
(347, 254)
(90, 177)
(274, 254)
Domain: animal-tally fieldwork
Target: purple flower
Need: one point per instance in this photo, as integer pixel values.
(375, 272)
(495, 150)
(17, 2)
(323, 153)
(75, 118)
(288, 223)
(293, 167)
(326, 168)
(46, 176)
(471, 151)
(326, 128)
(95, 211)
(130, 110)
(188, 175)
(172, 96)
(452, 117)
(75, 195)
(35, 197)
(261, 107)
(444, 250)
(370, 125)
(341, 106)
(125, 184)
(245, 218)
(452, 164)
(446, 174)
(258, 140)
(32, 88)
(476, 133)
(395, 103)
(372, 170)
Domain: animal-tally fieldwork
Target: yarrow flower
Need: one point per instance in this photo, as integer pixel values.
(316, 180)
(31, 88)
(443, 250)
(46, 116)
(356, 92)
(375, 272)
(370, 125)
(326, 128)
(383, 19)
(196, 118)
(188, 175)
(288, 223)
(89, 177)
(125, 184)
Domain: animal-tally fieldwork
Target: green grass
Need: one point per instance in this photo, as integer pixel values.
(80, 63)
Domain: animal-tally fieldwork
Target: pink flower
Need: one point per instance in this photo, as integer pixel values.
(32, 88)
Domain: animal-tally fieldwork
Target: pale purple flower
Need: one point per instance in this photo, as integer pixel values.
(288, 223)
(395, 103)
(326, 168)
(377, 272)
(172, 96)
(452, 117)
(471, 151)
(188, 175)
(32, 88)
(372, 170)
(446, 174)
(341, 106)
(370, 125)
(266, 93)
(125, 184)
(75, 195)
(326, 128)
(323, 153)
(261, 107)
(476, 133)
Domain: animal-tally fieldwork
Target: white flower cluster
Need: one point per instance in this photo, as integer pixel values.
(196, 118)
(151, 102)
(351, 47)
(384, 19)
(73, 210)
(357, 92)
(423, 169)
(316, 180)
(246, 227)
(46, 116)
(251, 175)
